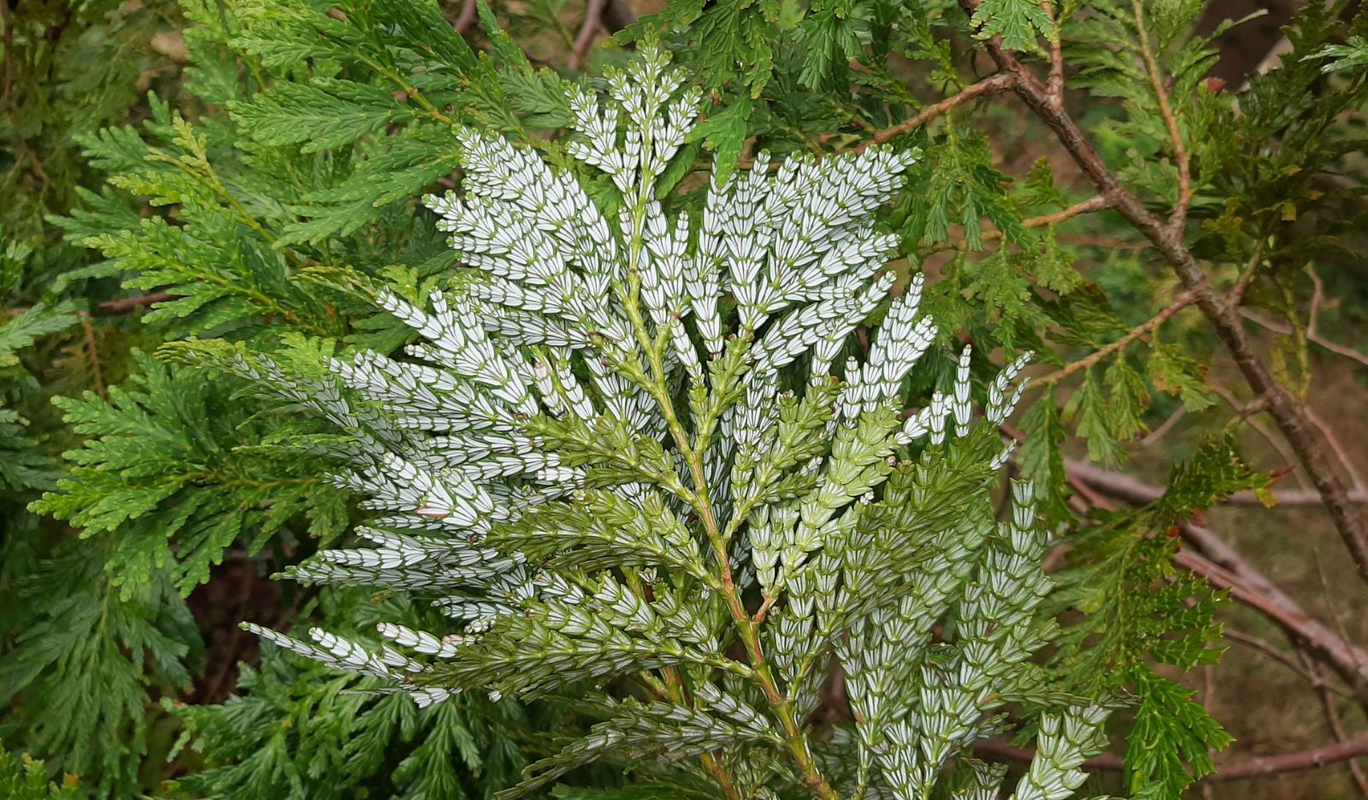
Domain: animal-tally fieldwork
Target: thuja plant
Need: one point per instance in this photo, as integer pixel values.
(625, 459)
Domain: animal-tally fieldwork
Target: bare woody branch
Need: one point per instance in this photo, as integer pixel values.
(1336, 725)
(1056, 84)
(1297, 664)
(1089, 206)
(584, 40)
(1245, 769)
(126, 304)
(1135, 490)
(1222, 567)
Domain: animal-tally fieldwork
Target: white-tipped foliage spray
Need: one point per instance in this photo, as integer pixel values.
(617, 451)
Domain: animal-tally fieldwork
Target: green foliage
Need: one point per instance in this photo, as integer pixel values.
(1140, 609)
(1018, 22)
(23, 778)
(180, 468)
(85, 659)
(23, 465)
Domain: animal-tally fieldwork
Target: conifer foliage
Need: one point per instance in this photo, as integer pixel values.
(623, 448)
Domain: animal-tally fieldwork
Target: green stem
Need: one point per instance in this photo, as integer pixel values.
(779, 704)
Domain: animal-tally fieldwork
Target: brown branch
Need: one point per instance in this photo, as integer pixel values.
(1299, 761)
(1168, 425)
(1222, 567)
(1244, 769)
(1225, 569)
(1135, 490)
(593, 17)
(995, 84)
(1276, 654)
(96, 368)
(125, 304)
(1097, 203)
(469, 14)
(1181, 302)
(1336, 725)
(1338, 449)
(1279, 327)
(1225, 319)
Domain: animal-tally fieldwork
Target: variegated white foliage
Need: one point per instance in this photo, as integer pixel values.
(600, 326)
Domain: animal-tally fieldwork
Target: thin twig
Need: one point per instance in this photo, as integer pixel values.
(1245, 769)
(1340, 452)
(1179, 217)
(1182, 301)
(96, 368)
(1299, 761)
(1276, 654)
(1237, 292)
(1133, 489)
(1056, 79)
(1336, 725)
(1224, 568)
(1247, 413)
(995, 84)
(1168, 425)
(1096, 203)
(125, 304)
(469, 14)
(593, 17)
(1279, 327)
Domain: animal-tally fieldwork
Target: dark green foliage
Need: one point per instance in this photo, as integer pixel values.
(176, 465)
(85, 661)
(23, 465)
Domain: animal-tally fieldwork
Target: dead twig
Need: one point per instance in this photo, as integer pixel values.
(584, 40)
(1245, 769)
(1135, 490)
(1311, 336)
(1279, 656)
(469, 14)
(1336, 725)
(125, 304)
